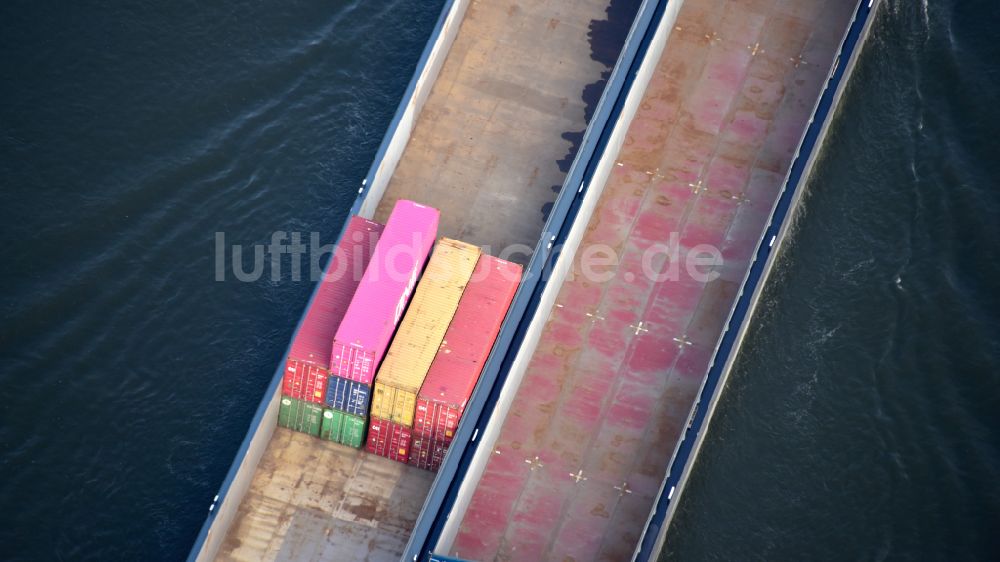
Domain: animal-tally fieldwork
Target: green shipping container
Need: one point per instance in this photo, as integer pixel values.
(300, 416)
(343, 428)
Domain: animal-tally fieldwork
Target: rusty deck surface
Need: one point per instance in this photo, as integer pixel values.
(486, 145)
(589, 436)
(317, 500)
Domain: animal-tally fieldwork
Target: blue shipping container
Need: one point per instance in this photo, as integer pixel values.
(352, 397)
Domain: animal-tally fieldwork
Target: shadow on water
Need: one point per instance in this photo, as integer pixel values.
(606, 40)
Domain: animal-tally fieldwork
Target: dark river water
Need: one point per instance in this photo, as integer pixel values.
(130, 133)
(863, 421)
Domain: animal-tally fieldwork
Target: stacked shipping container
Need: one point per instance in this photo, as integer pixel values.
(460, 359)
(434, 361)
(388, 439)
(343, 428)
(363, 336)
(300, 415)
(348, 396)
(307, 367)
(413, 349)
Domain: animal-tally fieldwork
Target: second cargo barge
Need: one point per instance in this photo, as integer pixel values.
(605, 385)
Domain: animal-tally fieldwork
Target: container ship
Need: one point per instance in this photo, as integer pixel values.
(467, 382)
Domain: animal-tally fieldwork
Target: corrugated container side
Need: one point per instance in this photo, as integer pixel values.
(308, 362)
(427, 454)
(394, 404)
(353, 362)
(343, 428)
(384, 291)
(304, 380)
(352, 397)
(422, 330)
(390, 440)
(300, 415)
(466, 346)
(435, 420)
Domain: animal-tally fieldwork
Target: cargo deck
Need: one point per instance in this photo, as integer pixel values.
(485, 151)
(580, 457)
(316, 500)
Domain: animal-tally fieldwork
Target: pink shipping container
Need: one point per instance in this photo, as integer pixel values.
(467, 344)
(308, 363)
(384, 291)
(389, 439)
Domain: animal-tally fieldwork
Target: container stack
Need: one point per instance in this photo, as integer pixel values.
(412, 352)
(368, 325)
(426, 369)
(307, 366)
(460, 359)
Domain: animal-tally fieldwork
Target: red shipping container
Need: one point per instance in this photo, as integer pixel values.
(304, 380)
(467, 344)
(427, 453)
(390, 440)
(308, 363)
(384, 291)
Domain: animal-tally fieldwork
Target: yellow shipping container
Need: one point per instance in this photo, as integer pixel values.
(394, 396)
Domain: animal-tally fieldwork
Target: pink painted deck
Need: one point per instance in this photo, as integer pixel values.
(381, 297)
(589, 436)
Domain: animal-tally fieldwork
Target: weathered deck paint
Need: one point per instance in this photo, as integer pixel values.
(581, 455)
(682, 463)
